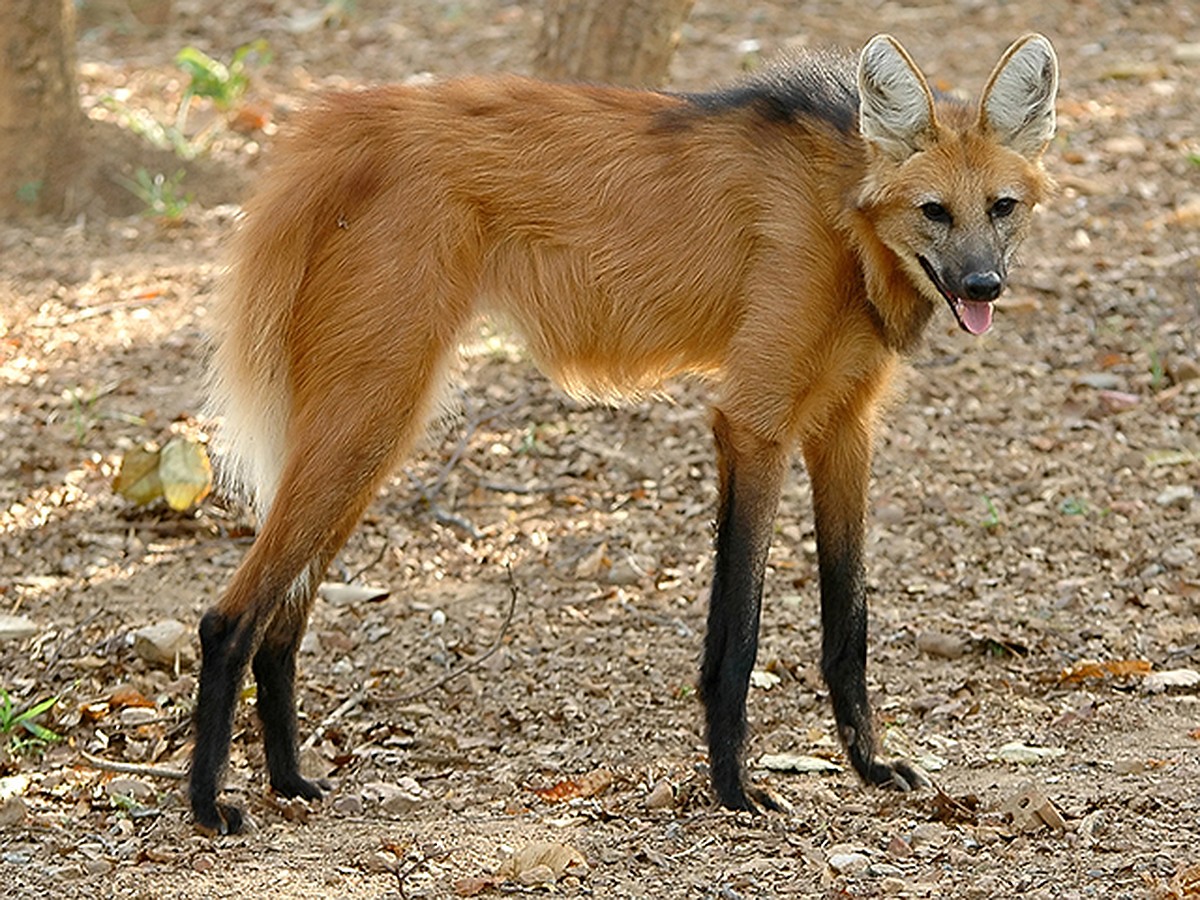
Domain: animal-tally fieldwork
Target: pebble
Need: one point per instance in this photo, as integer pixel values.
(129, 787)
(348, 805)
(1178, 557)
(938, 643)
(12, 811)
(1124, 145)
(928, 833)
(162, 643)
(627, 570)
(1103, 381)
(97, 867)
(16, 628)
(661, 796)
(395, 799)
(899, 848)
(849, 863)
(1178, 496)
(1157, 682)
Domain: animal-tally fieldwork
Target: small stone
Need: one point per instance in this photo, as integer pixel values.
(395, 799)
(628, 569)
(1178, 496)
(849, 863)
(380, 862)
(1124, 145)
(97, 867)
(348, 805)
(661, 796)
(1101, 381)
(899, 848)
(1178, 557)
(163, 643)
(1186, 53)
(1157, 682)
(16, 628)
(129, 787)
(539, 874)
(928, 833)
(937, 643)
(12, 811)
(1183, 369)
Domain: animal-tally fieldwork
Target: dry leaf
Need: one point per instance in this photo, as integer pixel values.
(474, 885)
(559, 859)
(1017, 752)
(1087, 669)
(588, 786)
(797, 762)
(138, 479)
(185, 473)
(127, 696)
(180, 473)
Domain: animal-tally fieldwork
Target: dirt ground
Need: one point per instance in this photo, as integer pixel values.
(1033, 550)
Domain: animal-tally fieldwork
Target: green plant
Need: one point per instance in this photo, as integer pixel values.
(12, 721)
(1073, 506)
(211, 79)
(222, 83)
(1158, 372)
(160, 194)
(29, 192)
(992, 520)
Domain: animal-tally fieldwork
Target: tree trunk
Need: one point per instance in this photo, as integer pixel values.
(609, 41)
(40, 119)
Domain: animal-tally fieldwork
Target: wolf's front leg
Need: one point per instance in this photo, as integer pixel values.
(839, 465)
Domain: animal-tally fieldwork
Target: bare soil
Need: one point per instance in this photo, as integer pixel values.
(1034, 509)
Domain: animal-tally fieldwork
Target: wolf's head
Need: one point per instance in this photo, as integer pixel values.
(950, 188)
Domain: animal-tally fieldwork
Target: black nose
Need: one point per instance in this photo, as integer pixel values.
(983, 285)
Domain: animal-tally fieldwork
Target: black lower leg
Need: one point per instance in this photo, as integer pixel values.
(226, 646)
(748, 499)
(275, 674)
(844, 647)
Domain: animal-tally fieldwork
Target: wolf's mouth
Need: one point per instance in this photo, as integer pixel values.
(973, 316)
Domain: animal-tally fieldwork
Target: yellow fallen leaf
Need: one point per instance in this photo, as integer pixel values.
(138, 479)
(185, 473)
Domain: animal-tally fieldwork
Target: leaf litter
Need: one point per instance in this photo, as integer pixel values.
(1014, 502)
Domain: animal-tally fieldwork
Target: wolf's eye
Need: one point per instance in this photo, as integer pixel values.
(1003, 207)
(935, 212)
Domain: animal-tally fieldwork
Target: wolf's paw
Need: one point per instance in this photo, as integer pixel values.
(295, 786)
(899, 775)
(218, 818)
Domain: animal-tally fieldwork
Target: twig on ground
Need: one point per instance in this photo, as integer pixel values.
(122, 768)
(402, 875)
(349, 704)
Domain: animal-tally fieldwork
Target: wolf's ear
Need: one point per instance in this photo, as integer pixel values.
(895, 110)
(1018, 102)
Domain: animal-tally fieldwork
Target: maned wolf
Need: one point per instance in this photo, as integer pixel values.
(788, 238)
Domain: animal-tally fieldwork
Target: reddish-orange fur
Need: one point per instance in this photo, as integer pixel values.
(627, 236)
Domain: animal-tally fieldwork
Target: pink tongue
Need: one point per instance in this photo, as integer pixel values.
(976, 315)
